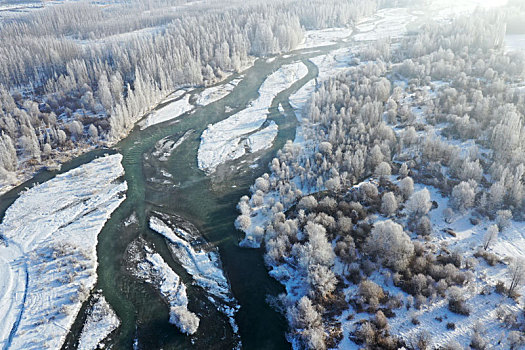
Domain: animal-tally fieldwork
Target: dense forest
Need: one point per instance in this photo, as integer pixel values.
(81, 74)
(440, 109)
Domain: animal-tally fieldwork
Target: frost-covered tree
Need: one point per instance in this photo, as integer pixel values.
(186, 320)
(517, 274)
(243, 222)
(491, 236)
(406, 187)
(307, 323)
(391, 244)
(463, 196)
(389, 204)
(419, 203)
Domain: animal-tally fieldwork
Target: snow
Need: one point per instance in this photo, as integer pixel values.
(203, 266)
(216, 93)
(511, 243)
(154, 270)
(324, 37)
(49, 260)
(262, 139)
(333, 63)
(226, 140)
(446, 9)
(171, 111)
(515, 42)
(387, 23)
(100, 322)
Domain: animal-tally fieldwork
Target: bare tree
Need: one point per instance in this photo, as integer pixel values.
(517, 274)
(490, 236)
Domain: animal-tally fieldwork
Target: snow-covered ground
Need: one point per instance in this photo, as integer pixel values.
(215, 93)
(48, 261)
(204, 266)
(262, 139)
(171, 111)
(100, 322)
(332, 63)
(484, 308)
(515, 42)
(154, 270)
(445, 9)
(324, 37)
(227, 139)
(387, 23)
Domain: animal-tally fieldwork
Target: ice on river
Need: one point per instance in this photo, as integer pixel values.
(324, 37)
(387, 23)
(153, 269)
(171, 111)
(225, 140)
(100, 322)
(204, 266)
(215, 93)
(48, 261)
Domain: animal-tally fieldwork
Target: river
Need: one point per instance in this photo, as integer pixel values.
(208, 202)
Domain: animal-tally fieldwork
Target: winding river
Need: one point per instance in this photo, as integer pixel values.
(177, 186)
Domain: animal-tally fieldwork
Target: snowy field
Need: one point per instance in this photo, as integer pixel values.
(215, 93)
(515, 42)
(227, 139)
(100, 322)
(445, 9)
(387, 23)
(49, 260)
(170, 111)
(203, 266)
(324, 37)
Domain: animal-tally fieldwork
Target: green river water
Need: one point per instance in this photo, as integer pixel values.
(208, 202)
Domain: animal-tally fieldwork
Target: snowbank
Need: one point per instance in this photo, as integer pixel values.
(224, 140)
(324, 37)
(216, 93)
(153, 269)
(100, 322)
(171, 111)
(49, 260)
(203, 266)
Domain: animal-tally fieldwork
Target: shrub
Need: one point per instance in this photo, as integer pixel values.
(457, 302)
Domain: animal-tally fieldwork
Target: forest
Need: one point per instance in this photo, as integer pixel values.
(432, 123)
(80, 75)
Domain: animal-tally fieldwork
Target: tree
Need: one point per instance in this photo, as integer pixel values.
(517, 274)
(322, 280)
(503, 219)
(406, 187)
(391, 244)
(490, 236)
(389, 204)
(243, 222)
(383, 170)
(186, 320)
(419, 203)
(463, 196)
(306, 320)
